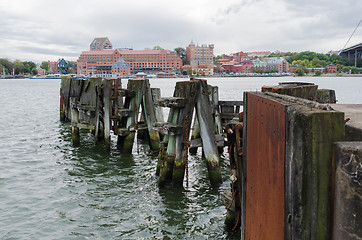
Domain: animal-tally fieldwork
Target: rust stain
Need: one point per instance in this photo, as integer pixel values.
(264, 211)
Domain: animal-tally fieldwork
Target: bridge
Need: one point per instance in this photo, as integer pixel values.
(352, 53)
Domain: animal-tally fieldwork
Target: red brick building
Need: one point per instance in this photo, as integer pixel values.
(100, 59)
(53, 67)
(197, 55)
(331, 68)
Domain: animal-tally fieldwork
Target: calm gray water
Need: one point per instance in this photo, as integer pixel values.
(51, 190)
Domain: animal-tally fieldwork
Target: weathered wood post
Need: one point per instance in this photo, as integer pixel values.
(195, 134)
(207, 133)
(74, 121)
(107, 84)
(65, 87)
(133, 103)
(215, 101)
(188, 90)
(142, 98)
(61, 107)
(149, 110)
(167, 157)
(156, 95)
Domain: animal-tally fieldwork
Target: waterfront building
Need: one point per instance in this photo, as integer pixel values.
(240, 57)
(201, 69)
(53, 67)
(151, 60)
(101, 44)
(197, 55)
(238, 67)
(330, 68)
(278, 63)
(63, 66)
(100, 61)
(293, 68)
(259, 65)
(40, 71)
(121, 68)
(258, 54)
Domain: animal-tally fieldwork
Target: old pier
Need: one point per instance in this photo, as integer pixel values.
(295, 155)
(102, 106)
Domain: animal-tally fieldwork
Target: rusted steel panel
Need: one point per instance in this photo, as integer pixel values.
(265, 136)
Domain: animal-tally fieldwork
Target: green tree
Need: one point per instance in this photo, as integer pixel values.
(316, 62)
(7, 64)
(29, 67)
(18, 67)
(34, 71)
(45, 65)
(318, 73)
(182, 54)
(189, 72)
(157, 48)
(300, 72)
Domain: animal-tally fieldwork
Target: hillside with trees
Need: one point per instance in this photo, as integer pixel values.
(307, 59)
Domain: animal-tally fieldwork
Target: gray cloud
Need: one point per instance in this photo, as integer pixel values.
(38, 29)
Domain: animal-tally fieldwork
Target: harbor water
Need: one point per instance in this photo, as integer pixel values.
(52, 190)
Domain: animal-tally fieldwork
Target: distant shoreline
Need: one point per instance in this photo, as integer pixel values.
(237, 76)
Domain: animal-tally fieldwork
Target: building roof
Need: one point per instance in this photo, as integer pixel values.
(274, 60)
(101, 39)
(143, 52)
(98, 52)
(120, 63)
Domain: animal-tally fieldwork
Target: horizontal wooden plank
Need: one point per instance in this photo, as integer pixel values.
(139, 127)
(220, 141)
(229, 115)
(171, 102)
(86, 107)
(124, 112)
(122, 132)
(168, 128)
(126, 93)
(230, 103)
(85, 126)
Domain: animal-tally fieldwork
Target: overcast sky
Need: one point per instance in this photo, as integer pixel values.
(41, 30)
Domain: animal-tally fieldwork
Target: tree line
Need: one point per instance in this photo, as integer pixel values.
(19, 67)
(309, 59)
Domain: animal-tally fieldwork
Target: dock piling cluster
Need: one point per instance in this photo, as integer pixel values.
(104, 107)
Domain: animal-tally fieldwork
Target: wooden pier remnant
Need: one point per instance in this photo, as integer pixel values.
(102, 106)
(141, 100)
(173, 159)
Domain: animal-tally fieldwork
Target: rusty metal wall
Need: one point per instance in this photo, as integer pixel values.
(265, 158)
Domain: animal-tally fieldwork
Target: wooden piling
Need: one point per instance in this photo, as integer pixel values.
(148, 107)
(210, 150)
(195, 134)
(189, 91)
(134, 104)
(167, 160)
(74, 122)
(156, 95)
(106, 111)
